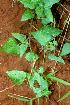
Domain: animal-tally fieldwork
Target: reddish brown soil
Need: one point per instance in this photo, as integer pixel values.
(10, 22)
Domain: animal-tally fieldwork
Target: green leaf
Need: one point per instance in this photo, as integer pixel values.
(49, 16)
(46, 33)
(39, 11)
(52, 31)
(28, 4)
(38, 91)
(46, 92)
(41, 37)
(31, 81)
(41, 4)
(28, 75)
(52, 57)
(49, 3)
(51, 47)
(65, 49)
(35, 1)
(45, 21)
(66, 21)
(22, 99)
(67, 94)
(59, 80)
(24, 1)
(55, 42)
(11, 46)
(17, 76)
(43, 84)
(41, 69)
(23, 48)
(49, 75)
(30, 56)
(27, 15)
(20, 37)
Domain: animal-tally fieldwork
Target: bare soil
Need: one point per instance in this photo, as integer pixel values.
(10, 22)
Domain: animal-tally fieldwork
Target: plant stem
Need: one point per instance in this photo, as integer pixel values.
(65, 8)
(7, 88)
(49, 101)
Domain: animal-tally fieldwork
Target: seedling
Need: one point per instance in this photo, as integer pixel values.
(45, 36)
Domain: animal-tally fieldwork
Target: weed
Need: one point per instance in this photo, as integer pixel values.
(45, 36)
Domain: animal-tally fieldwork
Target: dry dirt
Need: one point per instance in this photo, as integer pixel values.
(10, 22)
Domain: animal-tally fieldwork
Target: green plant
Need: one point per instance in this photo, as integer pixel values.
(66, 21)
(45, 37)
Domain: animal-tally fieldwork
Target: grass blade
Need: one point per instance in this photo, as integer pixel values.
(59, 80)
(30, 102)
(22, 99)
(67, 94)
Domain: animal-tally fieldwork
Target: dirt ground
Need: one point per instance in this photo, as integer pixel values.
(10, 22)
